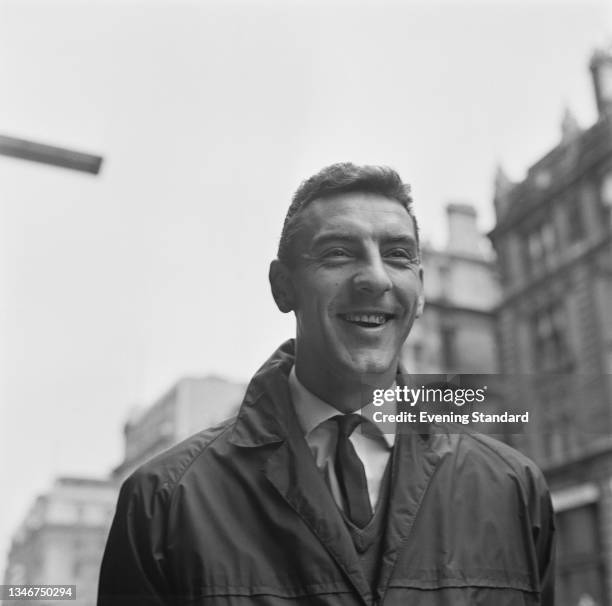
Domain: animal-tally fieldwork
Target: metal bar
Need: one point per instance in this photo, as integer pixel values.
(49, 154)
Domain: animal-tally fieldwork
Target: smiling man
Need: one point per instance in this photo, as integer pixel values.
(349, 268)
(300, 500)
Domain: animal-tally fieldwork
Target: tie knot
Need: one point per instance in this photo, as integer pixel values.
(347, 423)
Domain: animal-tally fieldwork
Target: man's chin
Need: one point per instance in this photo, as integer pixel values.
(362, 364)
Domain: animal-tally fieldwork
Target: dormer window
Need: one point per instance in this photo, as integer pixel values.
(551, 350)
(541, 245)
(575, 221)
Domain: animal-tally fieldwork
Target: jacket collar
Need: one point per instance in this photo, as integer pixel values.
(266, 415)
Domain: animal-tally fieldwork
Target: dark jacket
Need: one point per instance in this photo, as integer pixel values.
(239, 515)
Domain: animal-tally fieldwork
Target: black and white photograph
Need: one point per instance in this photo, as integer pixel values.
(306, 302)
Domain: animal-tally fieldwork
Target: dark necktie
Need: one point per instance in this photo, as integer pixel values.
(350, 473)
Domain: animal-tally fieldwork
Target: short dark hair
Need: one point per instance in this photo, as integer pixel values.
(341, 178)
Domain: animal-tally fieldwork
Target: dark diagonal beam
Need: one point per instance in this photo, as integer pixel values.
(49, 154)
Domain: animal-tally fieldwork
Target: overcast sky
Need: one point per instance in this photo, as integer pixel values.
(208, 115)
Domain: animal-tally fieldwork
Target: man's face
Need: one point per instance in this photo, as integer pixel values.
(357, 282)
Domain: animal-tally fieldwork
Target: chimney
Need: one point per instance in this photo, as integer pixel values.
(570, 128)
(601, 70)
(463, 235)
(502, 187)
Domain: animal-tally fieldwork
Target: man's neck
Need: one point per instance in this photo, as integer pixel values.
(344, 392)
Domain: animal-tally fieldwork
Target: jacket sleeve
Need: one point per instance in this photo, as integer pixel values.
(544, 537)
(132, 570)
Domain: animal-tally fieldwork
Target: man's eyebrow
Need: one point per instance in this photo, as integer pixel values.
(344, 236)
(333, 236)
(400, 239)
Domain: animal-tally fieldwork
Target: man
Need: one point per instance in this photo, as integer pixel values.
(292, 503)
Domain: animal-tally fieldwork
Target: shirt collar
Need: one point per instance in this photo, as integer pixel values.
(311, 411)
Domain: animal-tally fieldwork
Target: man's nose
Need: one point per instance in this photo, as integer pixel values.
(373, 277)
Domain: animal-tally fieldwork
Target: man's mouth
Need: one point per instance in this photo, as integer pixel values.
(367, 320)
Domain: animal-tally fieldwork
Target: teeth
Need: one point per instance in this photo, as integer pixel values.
(367, 318)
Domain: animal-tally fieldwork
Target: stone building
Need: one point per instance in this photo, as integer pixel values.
(553, 238)
(62, 538)
(192, 404)
(456, 333)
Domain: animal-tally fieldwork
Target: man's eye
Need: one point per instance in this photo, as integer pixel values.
(336, 253)
(402, 254)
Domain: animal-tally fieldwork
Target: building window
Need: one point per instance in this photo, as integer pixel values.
(541, 246)
(444, 281)
(551, 351)
(580, 572)
(557, 437)
(575, 221)
(77, 568)
(503, 259)
(447, 342)
(417, 353)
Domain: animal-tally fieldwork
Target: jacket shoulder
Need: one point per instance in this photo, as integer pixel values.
(163, 472)
(501, 458)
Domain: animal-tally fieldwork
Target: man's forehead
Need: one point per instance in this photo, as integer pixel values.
(358, 213)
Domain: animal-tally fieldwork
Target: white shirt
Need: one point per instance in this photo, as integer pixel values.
(374, 449)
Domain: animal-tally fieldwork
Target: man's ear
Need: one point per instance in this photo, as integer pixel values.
(421, 298)
(281, 283)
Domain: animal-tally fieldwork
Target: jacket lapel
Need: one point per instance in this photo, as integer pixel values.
(267, 418)
(292, 472)
(414, 463)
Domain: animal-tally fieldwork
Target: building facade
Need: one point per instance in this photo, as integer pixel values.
(62, 538)
(553, 238)
(456, 333)
(192, 404)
